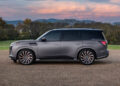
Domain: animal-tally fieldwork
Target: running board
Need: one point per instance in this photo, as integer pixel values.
(58, 60)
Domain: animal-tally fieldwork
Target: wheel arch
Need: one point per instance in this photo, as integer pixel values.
(25, 49)
(88, 49)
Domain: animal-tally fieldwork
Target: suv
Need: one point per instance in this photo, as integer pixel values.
(76, 44)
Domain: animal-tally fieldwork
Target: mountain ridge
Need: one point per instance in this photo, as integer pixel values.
(52, 20)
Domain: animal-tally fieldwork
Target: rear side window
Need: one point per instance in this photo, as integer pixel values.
(70, 35)
(91, 35)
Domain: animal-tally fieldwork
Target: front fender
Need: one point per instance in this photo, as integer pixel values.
(17, 49)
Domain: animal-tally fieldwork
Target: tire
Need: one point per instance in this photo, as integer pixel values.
(26, 57)
(86, 56)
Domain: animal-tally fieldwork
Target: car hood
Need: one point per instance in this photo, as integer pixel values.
(23, 42)
(26, 41)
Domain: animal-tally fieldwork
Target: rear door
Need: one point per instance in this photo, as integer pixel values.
(70, 42)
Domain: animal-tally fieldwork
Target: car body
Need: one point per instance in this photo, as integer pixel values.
(62, 44)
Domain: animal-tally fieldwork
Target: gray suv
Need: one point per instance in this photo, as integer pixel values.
(76, 44)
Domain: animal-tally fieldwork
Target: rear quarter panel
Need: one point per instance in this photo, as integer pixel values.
(96, 46)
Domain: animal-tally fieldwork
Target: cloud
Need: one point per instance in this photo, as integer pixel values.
(34, 9)
(7, 11)
(99, 1)
(105, 10)
(56, 7)
(50, 0)
(115, 1)
(70, 9)
(74, 8)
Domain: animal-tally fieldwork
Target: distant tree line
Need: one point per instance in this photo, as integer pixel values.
(7, 31)
(31, 30)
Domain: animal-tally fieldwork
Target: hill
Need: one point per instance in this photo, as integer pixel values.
(69, 21)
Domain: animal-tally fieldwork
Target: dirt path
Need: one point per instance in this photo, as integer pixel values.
(105, 72)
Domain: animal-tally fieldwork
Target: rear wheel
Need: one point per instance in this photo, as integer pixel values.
(86, 56)
(26, 57)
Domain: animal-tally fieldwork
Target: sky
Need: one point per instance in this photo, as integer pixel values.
(98, 10)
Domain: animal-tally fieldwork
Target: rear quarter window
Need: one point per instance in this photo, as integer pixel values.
(92, 35)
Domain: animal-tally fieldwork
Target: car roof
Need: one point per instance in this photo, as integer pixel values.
(82, 29)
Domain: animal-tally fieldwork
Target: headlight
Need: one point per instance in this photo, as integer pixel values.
(12, 44)
(15, 43)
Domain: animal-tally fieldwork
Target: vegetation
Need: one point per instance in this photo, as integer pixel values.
(4, 45)
(114, 47)
(32, 29)
(7, 31)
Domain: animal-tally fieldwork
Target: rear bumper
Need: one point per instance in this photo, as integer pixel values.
(103, 55)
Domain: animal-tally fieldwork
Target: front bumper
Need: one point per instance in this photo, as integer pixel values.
(11, 53)
(12, 57)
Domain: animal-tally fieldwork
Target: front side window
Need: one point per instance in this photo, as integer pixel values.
(53, 36)
(70, 35)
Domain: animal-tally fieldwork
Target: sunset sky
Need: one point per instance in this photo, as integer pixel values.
(99, 10)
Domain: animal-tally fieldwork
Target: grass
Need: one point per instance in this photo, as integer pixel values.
(4, 45)
(114, 47)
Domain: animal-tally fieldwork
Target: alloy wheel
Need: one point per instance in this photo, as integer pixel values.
(87, 57)
(25, 57)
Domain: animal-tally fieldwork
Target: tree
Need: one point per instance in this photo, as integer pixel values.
(27, 21)
(7, 31)
(2, 23)
(24, 29)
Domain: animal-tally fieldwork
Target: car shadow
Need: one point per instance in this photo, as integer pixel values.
(56, 62)
(70, 62)
(102, 62)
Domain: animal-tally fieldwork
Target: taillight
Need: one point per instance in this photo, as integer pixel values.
(104, 42)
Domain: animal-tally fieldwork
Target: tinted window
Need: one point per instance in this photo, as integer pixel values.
(53, 36)
(89, 35)
(70, 35)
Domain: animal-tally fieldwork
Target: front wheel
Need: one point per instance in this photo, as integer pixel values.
(86, 56)
(26, 57)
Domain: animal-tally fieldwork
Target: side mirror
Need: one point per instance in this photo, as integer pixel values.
(43, 39)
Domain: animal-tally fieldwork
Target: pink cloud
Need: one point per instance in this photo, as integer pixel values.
(74, 9)
(105, 10)
(56, 7)
(4, 11)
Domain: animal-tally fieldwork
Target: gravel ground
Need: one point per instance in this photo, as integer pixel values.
(104, 72)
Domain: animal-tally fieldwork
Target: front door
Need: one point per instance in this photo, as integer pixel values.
(51, 46)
